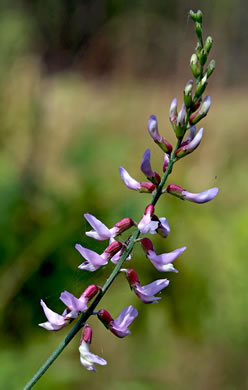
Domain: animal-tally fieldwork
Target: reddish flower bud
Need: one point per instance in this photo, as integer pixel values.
(90, 292)
(132, 277)
(86, 334)
(104, 317)
(147, 187)
(124, 224)
(113, 248)
(146, 244)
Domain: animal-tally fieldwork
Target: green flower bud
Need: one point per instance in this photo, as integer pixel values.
(196, 16)
(198, 30)
(194, 65)
(210, 68)
(203, 57)
(208, 44)
(188, 93)
(201, 86)
(198, 50)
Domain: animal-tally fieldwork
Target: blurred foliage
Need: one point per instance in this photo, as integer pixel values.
(63, 136)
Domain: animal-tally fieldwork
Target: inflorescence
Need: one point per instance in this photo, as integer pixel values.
(184, 122)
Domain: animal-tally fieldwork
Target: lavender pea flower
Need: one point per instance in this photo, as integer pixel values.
(100, 232)
(190, 146)
(162, 262)
(87, 359)
(158, 139)
(93, 259)
(147, 169)
(134, 184)
(119, 326)
(201, 197)
(150, 223)
(146, 293)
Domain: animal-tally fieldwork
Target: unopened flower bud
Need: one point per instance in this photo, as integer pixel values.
(198, 30)
(196, 117)
(113, 248)
(147, 187)
(196, 16)
(188, 93)
(208, 44)
(90, 292)
(124, 224)
(203, 57)
(201, 86)
(166, 162)
(86, 334)
(180, 126)
(194, 65)
(104, 317)
(210, 68)
(173, 110)
(190, 146)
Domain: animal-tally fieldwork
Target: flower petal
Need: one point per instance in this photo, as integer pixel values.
(128, 180)
(160, 261)
(72, 302)
(92, 257)
(55, 320)
(100, 231)
(146, 164)
(202, 197)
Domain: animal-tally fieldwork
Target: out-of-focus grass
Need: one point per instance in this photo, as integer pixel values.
(62, 140)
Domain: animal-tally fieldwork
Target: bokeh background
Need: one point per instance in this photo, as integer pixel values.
(78, 81)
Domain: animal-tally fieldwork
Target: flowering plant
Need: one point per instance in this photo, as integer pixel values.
(183, 123)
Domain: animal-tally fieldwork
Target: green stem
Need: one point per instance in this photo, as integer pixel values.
(84, 317)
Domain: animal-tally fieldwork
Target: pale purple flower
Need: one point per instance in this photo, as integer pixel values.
(150, 223)
(147, 225)
(119, 326)
(146, 293)
(134, 184)
(100, 232)
(146, 164)
(163, 261)
(190, 146)
(88, 359)
(153, 131)
(201, 197)
(74, 307)
(166, 162)
(55, 320)
(93, 259)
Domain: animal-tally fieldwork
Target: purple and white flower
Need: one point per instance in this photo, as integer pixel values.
(88, 359)
(100, 232)
(190, 146)
(162, 262)
(153, 131)
(74, 307)
(134, 184)
(119, 326)
(93, 259)
(146, 293)
(202, 197)
(147, 169)
(150, 223)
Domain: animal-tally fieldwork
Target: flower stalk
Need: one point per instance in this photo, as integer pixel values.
(117, 251)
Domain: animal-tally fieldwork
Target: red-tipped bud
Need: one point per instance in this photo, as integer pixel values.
(113, 248)
(86, 334)
(132, 277)
(165, 146)
(146, 244)
(149, 210)
(147, 187)
(90, 291)
(104, 317)
(175, 190)
(124, 224)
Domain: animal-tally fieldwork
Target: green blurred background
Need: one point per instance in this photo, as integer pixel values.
(78, 81)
